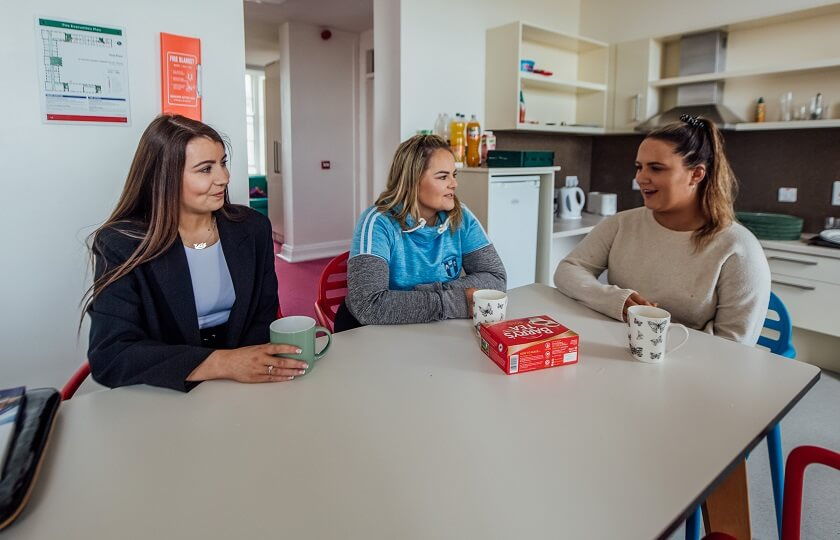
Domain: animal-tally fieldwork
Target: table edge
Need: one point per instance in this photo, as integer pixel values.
(740, 456)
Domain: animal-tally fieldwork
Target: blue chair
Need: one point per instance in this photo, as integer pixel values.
(781, 345)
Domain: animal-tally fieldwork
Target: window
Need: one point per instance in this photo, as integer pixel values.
(255, 119)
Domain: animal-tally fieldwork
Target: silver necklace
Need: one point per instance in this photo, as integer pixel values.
(202, 245)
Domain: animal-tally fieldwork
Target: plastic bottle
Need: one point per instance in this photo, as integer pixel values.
(439, 129)
(457, 140)
(521, 107)
(760, 110)
(473, 142)
(446, 129)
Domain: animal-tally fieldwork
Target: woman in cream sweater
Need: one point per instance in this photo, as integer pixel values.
(682, 251)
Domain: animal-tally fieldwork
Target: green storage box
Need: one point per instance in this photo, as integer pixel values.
(519, 158)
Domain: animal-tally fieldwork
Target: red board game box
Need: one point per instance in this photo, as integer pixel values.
(528, 344)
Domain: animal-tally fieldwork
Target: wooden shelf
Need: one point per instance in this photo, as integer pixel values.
(795, 124)
(585, 130)
(560, 40)
(535, 80)
(813, 65)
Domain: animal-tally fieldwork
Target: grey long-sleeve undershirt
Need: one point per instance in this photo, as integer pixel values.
(371, 302)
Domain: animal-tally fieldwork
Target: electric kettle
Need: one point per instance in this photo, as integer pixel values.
(571, 199)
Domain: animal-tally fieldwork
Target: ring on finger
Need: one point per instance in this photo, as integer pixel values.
(270, 369)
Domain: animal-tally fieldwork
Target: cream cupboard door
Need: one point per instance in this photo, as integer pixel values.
(635, 64)
(274, 177)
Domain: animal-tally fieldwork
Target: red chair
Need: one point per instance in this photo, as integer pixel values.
(797, 461)
(82, 373)
(332, 288)
(75, 381)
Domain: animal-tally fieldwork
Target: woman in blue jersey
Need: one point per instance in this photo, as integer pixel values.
(418, 253)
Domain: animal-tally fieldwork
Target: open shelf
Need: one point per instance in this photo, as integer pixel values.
(795, 124)
(588, 130)
(559, 40)
(535, 80)
(813, 65)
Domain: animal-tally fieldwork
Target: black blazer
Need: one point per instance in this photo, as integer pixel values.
(144, 326)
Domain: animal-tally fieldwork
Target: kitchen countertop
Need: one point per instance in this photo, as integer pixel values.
(575, 227)
(797, 246)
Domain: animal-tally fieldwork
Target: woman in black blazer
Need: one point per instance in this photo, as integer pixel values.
(184, 285)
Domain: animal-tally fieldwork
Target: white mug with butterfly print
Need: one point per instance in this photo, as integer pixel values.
(489, 306)
(649, 333)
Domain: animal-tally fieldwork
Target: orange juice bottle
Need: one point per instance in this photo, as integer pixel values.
(473, 142)
(457, 141)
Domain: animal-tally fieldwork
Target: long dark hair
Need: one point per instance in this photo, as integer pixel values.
(699, 141)
(150, 202)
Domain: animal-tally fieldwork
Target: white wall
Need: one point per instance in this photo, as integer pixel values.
(386, 89)
(615, 21)
(442, 47)
(59, 182)
(319, 81)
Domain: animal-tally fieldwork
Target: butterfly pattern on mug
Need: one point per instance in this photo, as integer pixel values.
(657, 327)
(637, 351)
(486, 312)
(640, 335)
(655, 355)
(656, 341)
(637, 322)
(500, 305)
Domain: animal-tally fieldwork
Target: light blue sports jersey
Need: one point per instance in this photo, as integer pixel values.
(419, 254)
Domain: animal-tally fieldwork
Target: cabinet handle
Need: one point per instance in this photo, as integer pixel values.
(794, 285)
(277, 168)
(637, 105)
(786, 259)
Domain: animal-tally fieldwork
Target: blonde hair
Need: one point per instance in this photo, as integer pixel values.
(411, 160)
(699, 141)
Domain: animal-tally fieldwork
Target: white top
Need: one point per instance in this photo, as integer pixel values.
(724, 288)
(212, 284)
(411, 432)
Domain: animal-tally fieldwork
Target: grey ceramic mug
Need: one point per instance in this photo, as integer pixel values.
(300, 331)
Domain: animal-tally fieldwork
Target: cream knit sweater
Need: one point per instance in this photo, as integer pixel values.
(723, 289)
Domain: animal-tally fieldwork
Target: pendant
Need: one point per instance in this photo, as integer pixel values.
(200, 246)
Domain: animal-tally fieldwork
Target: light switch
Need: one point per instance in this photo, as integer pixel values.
(835, 194)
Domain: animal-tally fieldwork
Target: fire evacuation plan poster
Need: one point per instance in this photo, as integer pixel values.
(82, 73)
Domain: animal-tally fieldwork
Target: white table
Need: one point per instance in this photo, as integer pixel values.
(411, 432)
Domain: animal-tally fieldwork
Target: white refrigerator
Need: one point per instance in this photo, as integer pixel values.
(513, 208)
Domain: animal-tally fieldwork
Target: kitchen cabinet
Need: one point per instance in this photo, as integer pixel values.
(796, 52)
(807, 279)
(571, 100)
(631, 97)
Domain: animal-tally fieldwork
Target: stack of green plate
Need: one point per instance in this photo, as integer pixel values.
(771, 226)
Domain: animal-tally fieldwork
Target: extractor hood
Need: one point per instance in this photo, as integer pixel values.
(699, 53)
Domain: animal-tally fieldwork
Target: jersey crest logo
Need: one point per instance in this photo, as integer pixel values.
(450, 266)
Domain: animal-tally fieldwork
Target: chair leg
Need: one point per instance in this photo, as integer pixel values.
(692, 525)
(777, 471)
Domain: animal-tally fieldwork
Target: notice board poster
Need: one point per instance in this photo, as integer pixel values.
(180, 77)
(82, 72)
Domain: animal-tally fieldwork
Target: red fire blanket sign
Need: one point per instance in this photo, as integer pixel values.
(180, 77)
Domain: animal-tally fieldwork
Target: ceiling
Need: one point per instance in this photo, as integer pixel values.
(350, 15)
